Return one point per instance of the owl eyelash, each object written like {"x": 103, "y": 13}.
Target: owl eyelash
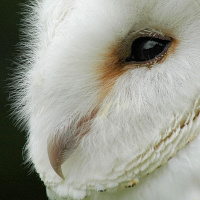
{"x": 148, "y": 48}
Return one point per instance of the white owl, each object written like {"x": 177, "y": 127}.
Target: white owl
{"x": 110, "y": 91}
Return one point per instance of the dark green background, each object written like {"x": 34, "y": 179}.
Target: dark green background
{"x": 16, "y": 182}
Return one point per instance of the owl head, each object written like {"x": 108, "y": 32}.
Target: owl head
{"x": 109, "y": 90}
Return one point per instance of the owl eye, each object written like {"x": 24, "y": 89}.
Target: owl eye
{"x": 145, "y": 49}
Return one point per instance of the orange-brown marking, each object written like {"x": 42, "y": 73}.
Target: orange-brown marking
{"x": 115, "y": 66}
{"x": 171, "y": 50}
{"x": 112, "y": 68}
{"x": 131, "y": 184}
{"x": 173, "y": 46}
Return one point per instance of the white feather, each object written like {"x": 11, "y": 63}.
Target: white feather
{"x": 146, "y": 116}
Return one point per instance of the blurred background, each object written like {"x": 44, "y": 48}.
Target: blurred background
{"x": 16, "y": 181}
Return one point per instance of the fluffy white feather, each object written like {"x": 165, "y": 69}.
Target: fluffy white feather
{"x": 103, "y": 125}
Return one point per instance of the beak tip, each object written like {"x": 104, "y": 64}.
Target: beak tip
{"x": 59, "y": 172}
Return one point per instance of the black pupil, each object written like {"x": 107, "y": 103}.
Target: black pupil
{"x": 146, "y": 48}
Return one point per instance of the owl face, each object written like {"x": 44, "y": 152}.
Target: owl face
{"x": 112, "y": 90}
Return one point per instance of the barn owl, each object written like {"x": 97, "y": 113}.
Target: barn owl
{"x": 109, "y": 91}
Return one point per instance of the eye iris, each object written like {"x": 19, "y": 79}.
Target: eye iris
{"x": 146, "y": 48}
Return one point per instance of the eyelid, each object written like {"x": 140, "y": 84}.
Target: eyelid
{"x": 153, "y": 34}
